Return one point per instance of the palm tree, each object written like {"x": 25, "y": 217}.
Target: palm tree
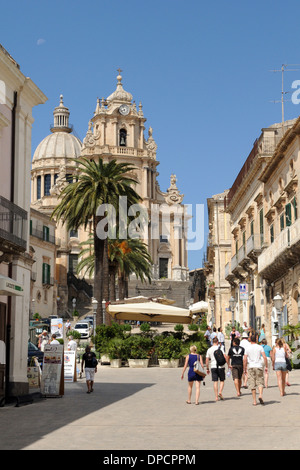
{"x": 98, "y": 183}
{"x": 125, "y": 257}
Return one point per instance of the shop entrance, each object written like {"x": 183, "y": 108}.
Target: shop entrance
{"x": 2, "y": 351}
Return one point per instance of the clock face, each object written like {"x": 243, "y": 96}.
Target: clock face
{"x": 124, "y": 109}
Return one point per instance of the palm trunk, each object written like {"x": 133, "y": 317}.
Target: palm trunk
{"x": 98, "y": 275}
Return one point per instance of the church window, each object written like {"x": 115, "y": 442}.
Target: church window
{"x": 123, "y": 137}
{"x": 163, "y": 267}
{"x": 38, "y": 187}
{"x": 47, "y": 184}
{"x": 73, "y": 262}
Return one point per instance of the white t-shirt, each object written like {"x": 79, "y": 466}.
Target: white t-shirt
{"x": 72, "y": 345}
{"x": 210, "y": 355}
{"x": 245, "y": 344}
{"x": 254, "y": 353}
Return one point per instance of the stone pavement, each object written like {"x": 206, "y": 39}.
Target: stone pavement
{"x": 145, "y": 409}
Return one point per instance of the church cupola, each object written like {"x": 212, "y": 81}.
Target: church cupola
{"x": 61, "y": 118}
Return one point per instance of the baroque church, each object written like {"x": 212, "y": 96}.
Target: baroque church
{"x": 116, "y": 131}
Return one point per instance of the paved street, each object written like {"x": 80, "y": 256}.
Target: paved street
{"x": 145, "y": 409}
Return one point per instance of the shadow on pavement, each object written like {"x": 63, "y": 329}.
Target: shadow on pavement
{"x": 21, "y": 427}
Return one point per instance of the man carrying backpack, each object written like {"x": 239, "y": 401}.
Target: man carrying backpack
{"x": 236, "y": 357}
{"x": 216, "y": 355}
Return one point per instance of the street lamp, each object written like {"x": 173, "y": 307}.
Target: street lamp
{"x": 95, "y": 306}
{"x": 232, "y": 304}
{"x": 212, "y": 308}
{"x": 103, "y": 311}
{"x": 278, "y": 304}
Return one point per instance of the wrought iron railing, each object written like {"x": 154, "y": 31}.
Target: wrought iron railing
{"x": 13, "y": 224}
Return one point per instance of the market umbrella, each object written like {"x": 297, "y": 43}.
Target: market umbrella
{"x": 149, "y": 311}
{"x": 199, "y": 307}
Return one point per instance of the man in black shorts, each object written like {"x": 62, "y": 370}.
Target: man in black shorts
{"x": 235, "y": 363}
{"x": 90, "y": 363}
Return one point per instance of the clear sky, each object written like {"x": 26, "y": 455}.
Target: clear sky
{"x": 201, "y": 69}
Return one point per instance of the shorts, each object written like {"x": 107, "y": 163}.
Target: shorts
{"x": 218, "y": 373}
{"x": 280, "y": 366}
{"x": 89, "y": 374}
{"x": 237, "y": 372}
{"x": 256, "y": 378}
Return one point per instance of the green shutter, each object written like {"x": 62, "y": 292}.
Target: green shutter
{"x": 45, "y": 233}
{"x": 271, "y": 233}
{"x": 261, "y": 225}
{"x": 288, "y": 215}
{"x": 295, "y": 208}
{"x": 281, "y": 222}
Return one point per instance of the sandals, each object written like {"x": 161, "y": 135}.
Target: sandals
{"x": 221, "y": 396}
{"x": 188, "y": 402}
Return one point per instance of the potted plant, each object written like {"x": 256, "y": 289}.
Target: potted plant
{"x": 168, "y": 350}
{"x": 139, "y": 348}
{"x": 116, "y": 351}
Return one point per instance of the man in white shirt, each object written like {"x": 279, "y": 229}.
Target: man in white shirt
{"x": 54, "y": 340}
{"x": 72, "y": 345}
{"x": 217, "y": 371}
{"x": 252, "y": 363}
{"x": 244, "y": 344}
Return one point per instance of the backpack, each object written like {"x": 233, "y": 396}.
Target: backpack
{"x": 219, "y": 357}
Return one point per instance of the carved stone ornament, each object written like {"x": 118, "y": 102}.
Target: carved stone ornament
{"x": 60, "y": 182}
{"x": 151, "y": 144}
{"x": 90, "y": 139}
{"x": 173, "y": 195}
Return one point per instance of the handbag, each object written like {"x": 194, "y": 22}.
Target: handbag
{"x": 198, "y": 369}
{"x": 288, "y": 361}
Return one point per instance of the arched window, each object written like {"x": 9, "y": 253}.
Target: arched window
{"x": 123, "y": 137}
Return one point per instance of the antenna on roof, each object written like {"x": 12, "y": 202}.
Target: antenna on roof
{"x": 282, "y": 101}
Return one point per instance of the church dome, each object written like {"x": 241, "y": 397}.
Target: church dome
{"x": 120, "y": 95}
{"x": 61, "y": 143}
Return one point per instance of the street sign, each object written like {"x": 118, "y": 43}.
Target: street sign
{"x": 244, "y": 292}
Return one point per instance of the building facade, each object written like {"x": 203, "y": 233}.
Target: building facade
{"x": 43, "y": 287}
{"x": 218, "y": 254}
{"x": 115, "y": 131}
{"x": 256, "y": 203}
{"x": 18, "y": 95}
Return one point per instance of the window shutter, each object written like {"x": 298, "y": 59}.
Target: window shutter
{"x": 288, "y": 215}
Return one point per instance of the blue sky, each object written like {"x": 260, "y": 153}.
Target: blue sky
{"x": 201, "y": 69}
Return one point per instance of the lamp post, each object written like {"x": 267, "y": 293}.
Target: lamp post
{"x": 278, "y": 303}
{"x": 103, "y": 311}
{"x": 212, "y": 308}
{"x": 232, "y": 304}
{"x": 94, "y": 305}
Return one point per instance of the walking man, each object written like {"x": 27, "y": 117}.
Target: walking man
{"x": 90, "y": 362}
{"x": 217, "y": 370}
{"x": 253, "y": 362}
{"x": 235, "y": 363}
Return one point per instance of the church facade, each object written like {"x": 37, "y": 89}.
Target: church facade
{"x": 116, "y": 131}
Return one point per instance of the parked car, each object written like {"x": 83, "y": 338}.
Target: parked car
{"x": 34, "y": 351}
{"x": 90, "y": 320}
{"x": 83, "y": 328}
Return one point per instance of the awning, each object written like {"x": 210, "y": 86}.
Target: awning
{"x": 9, "y": 286}
{"x": 149, "y": 311}
{"x": 199, "y": 307}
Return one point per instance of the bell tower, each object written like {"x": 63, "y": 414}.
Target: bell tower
{"x": 116, "y": 131}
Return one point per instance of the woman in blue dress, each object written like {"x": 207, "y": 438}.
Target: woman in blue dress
{"x": 192, "y": 376}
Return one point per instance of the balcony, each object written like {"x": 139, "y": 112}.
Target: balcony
{"x": 13, "y": 226}
{"x": 282, "y": 254}
{"x": 254, "y": 247}
{"x": 41, "y": 235}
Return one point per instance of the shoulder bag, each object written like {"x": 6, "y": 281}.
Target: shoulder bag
{"x": 198, "y": 369}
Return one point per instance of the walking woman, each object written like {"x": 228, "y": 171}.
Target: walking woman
{"x": 192, "y": 376}
{"x": 279, "y": 365}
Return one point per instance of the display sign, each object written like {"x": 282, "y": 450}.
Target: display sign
{"x": 244, "y": 292}
{"x": 69, "y": 366}
{"x": 53, "y": 371}
{"x": 57, "y": 327}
